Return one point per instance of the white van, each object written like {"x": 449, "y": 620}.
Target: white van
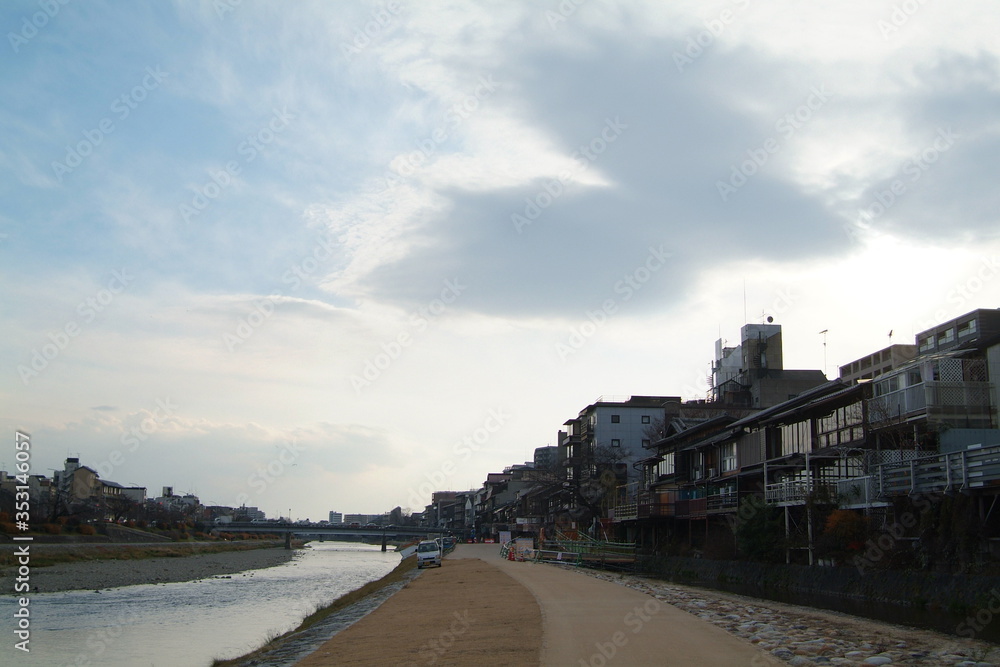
{"x": 428, "y": 553}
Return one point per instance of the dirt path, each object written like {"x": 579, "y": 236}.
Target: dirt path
{"x": 465, "y": 613}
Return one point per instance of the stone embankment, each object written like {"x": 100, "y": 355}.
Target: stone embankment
{"x": 803, "y": 636}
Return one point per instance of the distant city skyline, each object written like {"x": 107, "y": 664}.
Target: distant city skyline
{"x": 332, "y": 255}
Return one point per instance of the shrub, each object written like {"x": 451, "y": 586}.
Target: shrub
{"x": 7, "y": 527}
{"x": 86, "y": 529}
{"x": 52, "y": 528}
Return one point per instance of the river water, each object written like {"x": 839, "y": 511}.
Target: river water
{"x": 190, "y": 623}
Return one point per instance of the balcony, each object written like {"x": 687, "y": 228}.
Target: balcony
{"x": 696, "y": 508}
{"x": 858, "y": 492}
{"x": 968, "y": 403}
{"x": 722, "y": 503}
{"x": 942, "y": 473}
{"x": 795, "y": 492}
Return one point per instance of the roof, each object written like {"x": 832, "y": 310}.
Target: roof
{"x": 720, "y": 421}
{"x": 801, "y": 399}
{"x": 833, "y": 398}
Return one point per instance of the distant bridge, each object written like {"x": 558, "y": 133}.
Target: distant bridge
{"x": 330, "y": 531}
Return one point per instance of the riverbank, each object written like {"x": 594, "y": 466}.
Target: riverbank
{"x": 189, "y": 563}
{"x": 326, "y": 622}
{"x": 784, "y": 633}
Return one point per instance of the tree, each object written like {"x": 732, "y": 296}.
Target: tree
{"x": 759, "y": 531}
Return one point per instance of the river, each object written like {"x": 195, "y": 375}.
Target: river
{"x": 190, "y": 623}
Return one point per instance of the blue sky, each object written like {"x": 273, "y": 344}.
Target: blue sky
{"x": 332, "y": 240}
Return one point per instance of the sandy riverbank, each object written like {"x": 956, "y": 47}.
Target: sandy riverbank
{"x": 100, "y": 574}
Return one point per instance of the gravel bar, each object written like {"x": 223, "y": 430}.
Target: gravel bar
{"x": 102, "y": 574}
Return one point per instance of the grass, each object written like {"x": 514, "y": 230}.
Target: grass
{"x": 321, "y": 613}
{"x": 42, "y": 557}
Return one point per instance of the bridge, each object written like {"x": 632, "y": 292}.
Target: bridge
{"x": 332, "y": 531}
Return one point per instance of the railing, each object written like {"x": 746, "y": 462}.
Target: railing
{"x": 641, "y": 510}
{"x": 625, "y": 511}
{"x": 795, "y": 491}
{"x": 936, "y": 399}
{"x": 649, "y": 510}
{"x": 722, "y": 503}
{"x": 858, "y": 490}
{"x": 955, "y": 471}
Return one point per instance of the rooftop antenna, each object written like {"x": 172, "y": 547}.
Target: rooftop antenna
{"x": 823, "y": 333}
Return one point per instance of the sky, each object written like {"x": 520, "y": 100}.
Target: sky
{"x": 322, "y": 256}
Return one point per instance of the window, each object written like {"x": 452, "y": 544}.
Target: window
{"x": 967, "y": 328}
{"x": 646, "y": 443}
{"x": 615, "y": 442}
{"x": 645, "y": 419}
{"x": 728, "y": 455}
{"x": 946, "y": 336}
{"x": 926, "y": 343}
{"x": 616, "y": 419}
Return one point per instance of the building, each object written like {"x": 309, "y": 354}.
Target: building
{"x": 970, "y": 329}
{"x": 753, "y": 375}
{"x": 878, "y": 363}
{"x": 336, "y": 517}
{"x": 137, "y": 494}
{"x": 546, "y": 458}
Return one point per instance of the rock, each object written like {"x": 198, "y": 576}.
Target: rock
{"x": 877, "y": 660}
{"x": 800, "y": 661}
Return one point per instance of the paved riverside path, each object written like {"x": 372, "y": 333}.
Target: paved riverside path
{"x": 590, "y": 622}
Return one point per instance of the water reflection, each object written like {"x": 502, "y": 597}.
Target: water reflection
{"x": 191, "y": 623}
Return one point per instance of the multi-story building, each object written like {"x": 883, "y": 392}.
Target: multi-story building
{"x": 878, "y": 363}
{"x": 547, "y": 458}
{"x": 336, "y": 517}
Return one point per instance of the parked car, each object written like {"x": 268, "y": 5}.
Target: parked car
{"x": 428, "y": 553}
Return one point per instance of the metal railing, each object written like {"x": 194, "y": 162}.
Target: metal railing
{"x": 954, "y": 471}
{"x": 797, "y": 490}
